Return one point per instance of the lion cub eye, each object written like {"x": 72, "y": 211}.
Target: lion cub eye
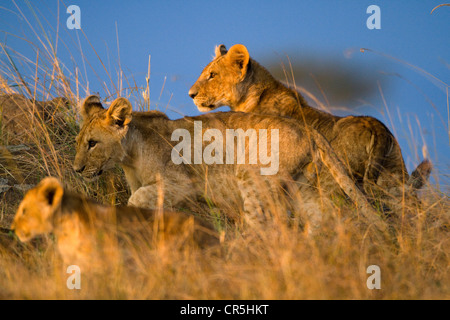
{"x": 212, "y": 75}
{"x": 91, "y": 144}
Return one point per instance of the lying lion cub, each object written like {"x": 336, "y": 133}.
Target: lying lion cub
{"x": 363, "y": 143}
{"x": 81, "y": 226}
{"x": 145, "y": 145}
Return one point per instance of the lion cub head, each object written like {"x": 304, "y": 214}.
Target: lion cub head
{"x": 99, "y": 144}
{"x": 222, "y": 83}
{"x": 35, "y": 213}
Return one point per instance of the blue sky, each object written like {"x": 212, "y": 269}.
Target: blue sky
{"x": 180, "y": 37}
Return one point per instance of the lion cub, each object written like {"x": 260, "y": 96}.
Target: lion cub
{"x": 364, "y": 144}
{"x": 81, "y": 225}
{"x": 147, "y": 146}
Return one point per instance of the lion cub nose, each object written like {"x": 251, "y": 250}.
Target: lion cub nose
{"x": 79, "y": 169}
{"x": 193, "y": 93}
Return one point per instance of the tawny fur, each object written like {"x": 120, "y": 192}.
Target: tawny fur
{"x": 141, "y": 143}
{"x": 364, "y": 144}
{"x": 19, "y": 114}
{"x": 86, "y": 230}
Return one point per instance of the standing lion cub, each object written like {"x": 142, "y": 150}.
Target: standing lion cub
{"x": 364, "y": 144}
{"x": 147, "y": 145}
{"x": 84, "y": 229}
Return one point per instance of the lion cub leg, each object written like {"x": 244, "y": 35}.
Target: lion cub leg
{"x": 168, "y": 194}
{"x": 262, "y": 195}
{"x": 253, "y": 208}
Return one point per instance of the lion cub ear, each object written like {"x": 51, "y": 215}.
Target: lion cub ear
{"x": 119, "y": 113}
{"x": 220, "y": 50}
{"x": 90, "y": 106}
{"x": 51, "y": 192}
{"x": 238, "y": 55}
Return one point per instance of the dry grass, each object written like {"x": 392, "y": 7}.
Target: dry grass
{"x": 271, "y": 261}
{"x": 275, "y": 260}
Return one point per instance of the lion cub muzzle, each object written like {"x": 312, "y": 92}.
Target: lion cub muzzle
{"x": 193, "y": 92}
